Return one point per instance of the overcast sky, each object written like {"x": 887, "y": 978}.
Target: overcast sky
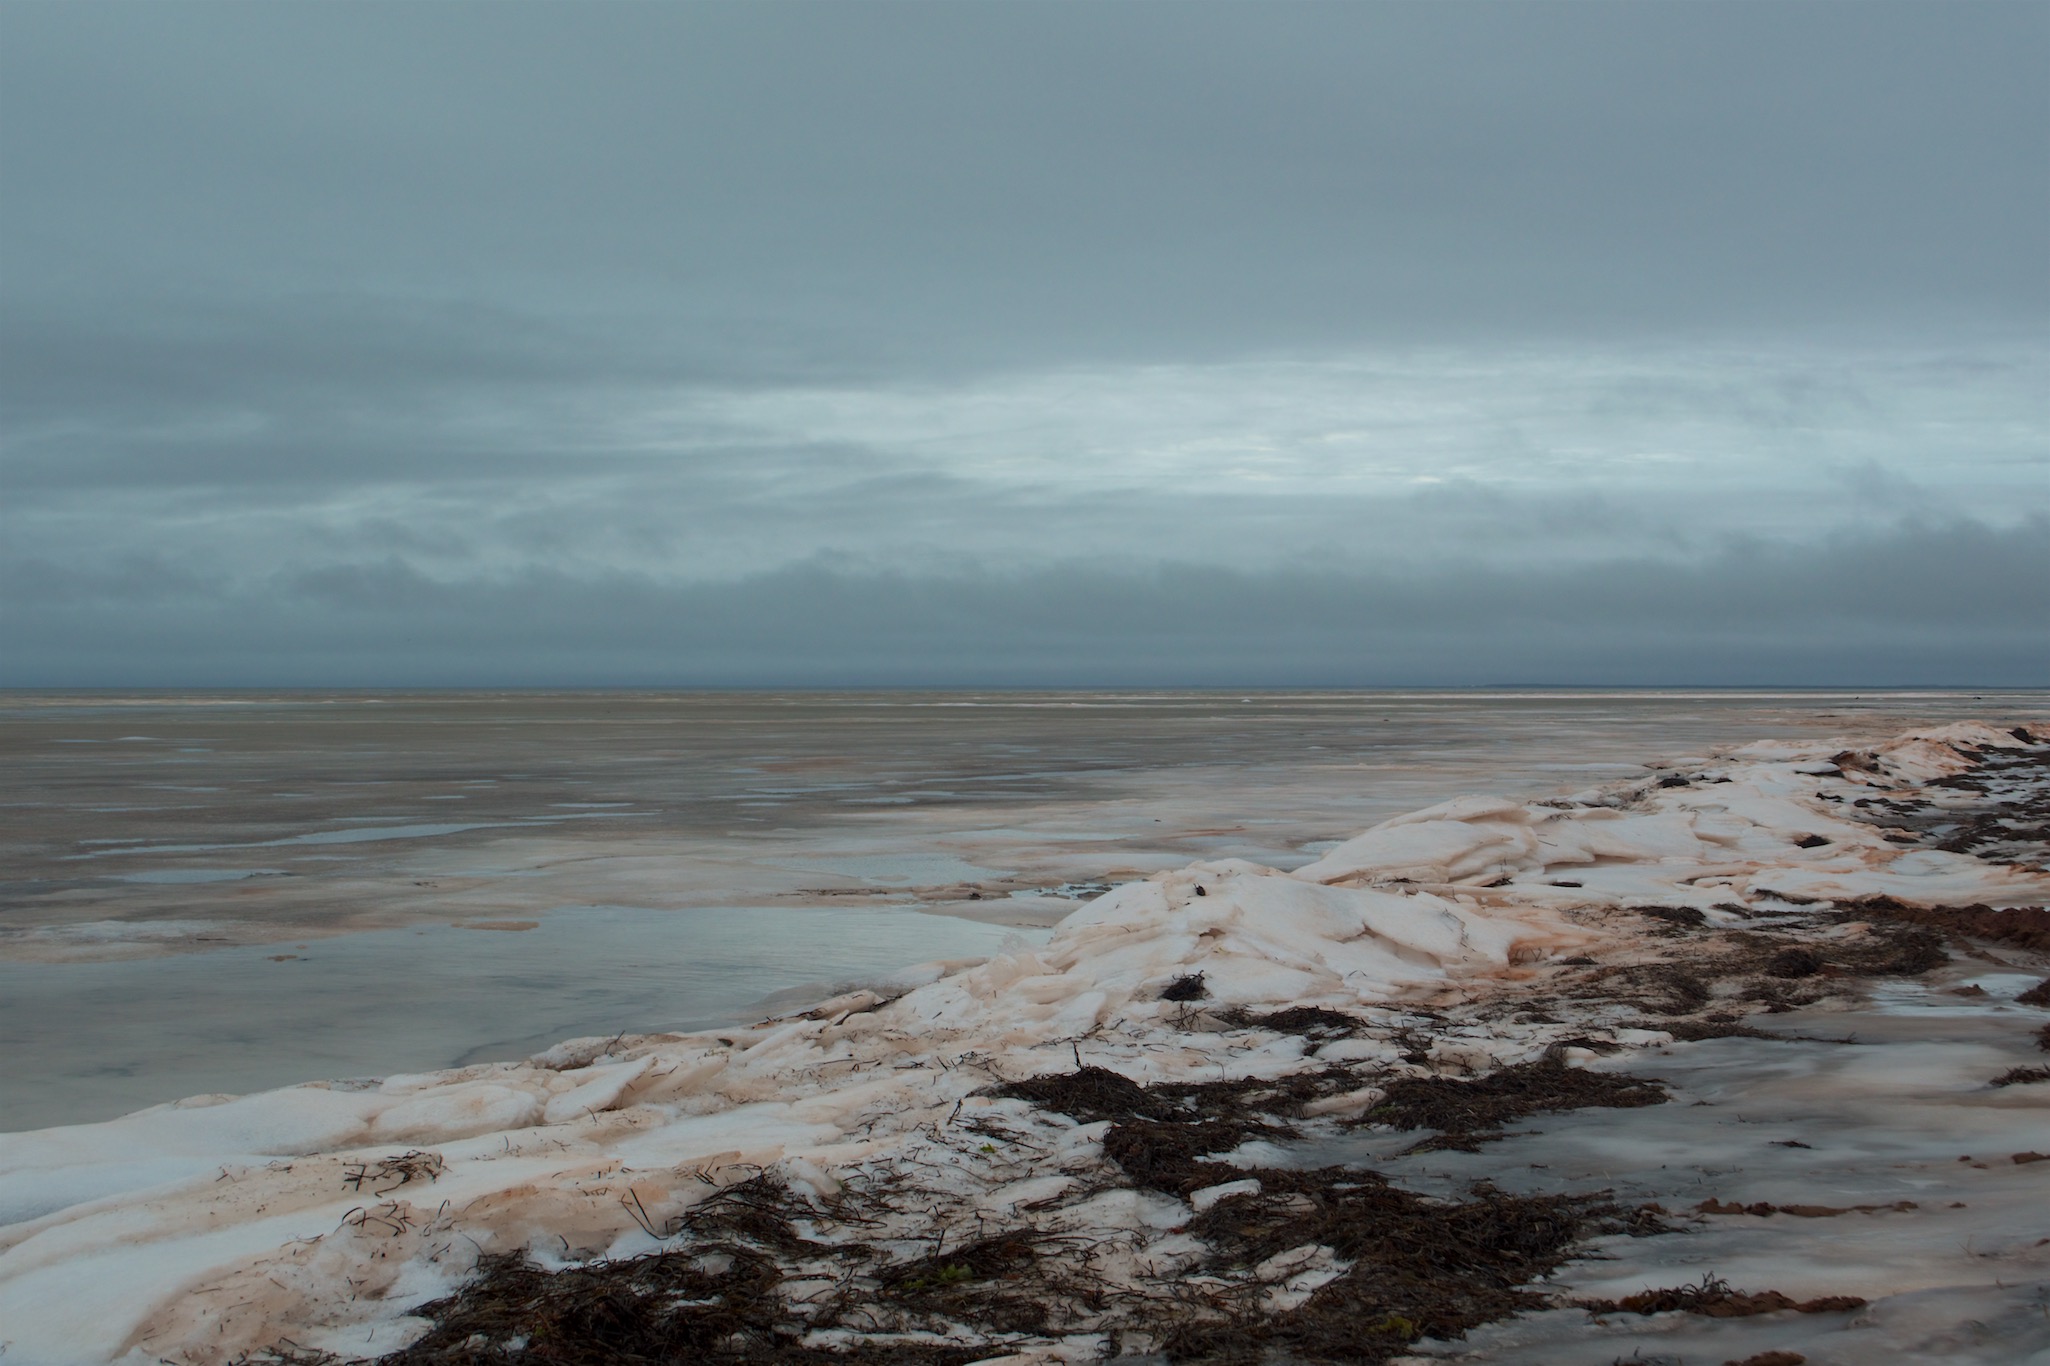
{"x": 992, "y": 343}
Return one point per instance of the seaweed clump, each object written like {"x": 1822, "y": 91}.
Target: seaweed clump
{"x": 1713, "y": 1298}
{"x": 1304, "y": 1020}
{"x": 747, "y": 1287}
{"x": 1409, "y": 1266}
{"x": 1770, "y": 968}
{"x": 1160, "y": 1135}
{"x": 1686, "y": 917}
{"x": 2021, "y": 927}
{"x": 1418, "y": 1268}
{"x": 1009, "y": 1282}
{"x": 686, "y": 1306}
{"x": 725, "y": 1298}
{"x": 1905, "y": 952}
{"x": 1406, "y": 1266}
{"x": 1471, "y": 1112}
{"x": 1088, "y": 1094}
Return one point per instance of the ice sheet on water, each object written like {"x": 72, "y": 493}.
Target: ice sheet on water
{"x": 247, "y": 1197}
{"x": 414, "y": 998}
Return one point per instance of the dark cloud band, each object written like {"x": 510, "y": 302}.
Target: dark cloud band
{"x": 1956, "y": 603}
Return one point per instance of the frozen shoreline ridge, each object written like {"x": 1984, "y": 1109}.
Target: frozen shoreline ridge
{"x": 890, "y": 1123}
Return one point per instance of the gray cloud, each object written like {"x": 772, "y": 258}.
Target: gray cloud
{"x": 532, "y": 331}
{"x": 1031, "y": 185}
{"x": 1937, "y": 603}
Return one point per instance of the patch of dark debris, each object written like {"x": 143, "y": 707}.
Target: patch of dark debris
{"x": 1416, "y": 1267}
{"x": 1686, "y": 917}
{"x": 757, "y": 1211}
{"x": 1765, "y": 1209}
{"x": 387, "y": 1174}
{"x": 715, "y": 1304}
{"x": 1999, "y": 809}
{"x": 1713, "y": 1298}
{"x": 1793, "y": 962}
{"x": 1782, "y": 967}
{"x": 1467, "y": 1113}
{"x": 747, "y": 1287}
{"x": 1160, "y": 1135}
{"x": 1304, "y": 1020}
{"x": 2021, "y": 927}
{"x": 1021, "y": 1281}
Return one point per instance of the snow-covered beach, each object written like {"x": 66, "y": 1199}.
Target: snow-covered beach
{"x": 1180, "y": 1125}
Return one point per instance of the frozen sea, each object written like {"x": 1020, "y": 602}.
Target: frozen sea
{"x": 226, "y": 892}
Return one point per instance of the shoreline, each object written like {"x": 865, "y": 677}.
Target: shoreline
{"x": 860, "y": 804}
{"x": 1438, "y": 955}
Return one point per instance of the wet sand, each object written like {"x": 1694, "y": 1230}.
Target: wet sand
{"x": 226, "y": 892}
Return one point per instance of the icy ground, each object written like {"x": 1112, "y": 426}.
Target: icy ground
{"x": 1775, "y": 885}
{"x": 1894, "y": 1150}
